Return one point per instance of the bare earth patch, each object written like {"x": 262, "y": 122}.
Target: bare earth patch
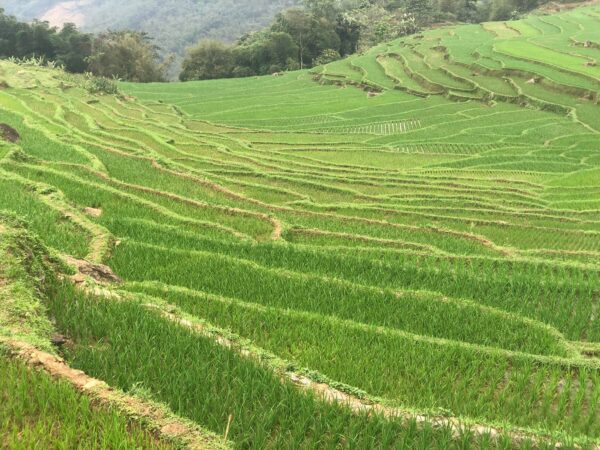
{"x": 99, "y": 272}
{"x": 8, "y": 133}
{"x": 94, "y": 212}
{"x": 66, "y": 12}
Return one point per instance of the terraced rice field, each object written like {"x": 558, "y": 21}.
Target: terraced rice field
{"x": 414, "y": 231}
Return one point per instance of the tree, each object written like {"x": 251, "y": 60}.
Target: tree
{"x": 67, "y": 47}
{"x": 298, "y": 24}
{"x": 128, "y": 55}
{"x": 73, "y": 48}
{"x": 468, "y": 12}
{"x": 328, "y": 9}
{"x": 280, "y": 47}
{"x": 422, "y": 10}
{"x": 311, "y": 34}
{"x": 322, "y": 37}
{"x": 348, "y": 29}
{"x": 209, "y": 59}
{"x": 377, "y": 24}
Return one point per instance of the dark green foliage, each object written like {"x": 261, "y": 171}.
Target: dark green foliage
{"x": 323, "y": 29}
{"x": 128, "y": 55}
{"x": 67, "y": 47}
{"x": 209, "y": 59}
{"x": 298, "y": 38}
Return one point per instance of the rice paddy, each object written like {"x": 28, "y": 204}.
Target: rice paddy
{"x": 414, "y": 231}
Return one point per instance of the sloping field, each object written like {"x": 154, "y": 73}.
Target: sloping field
{"x": 413, "y": 232}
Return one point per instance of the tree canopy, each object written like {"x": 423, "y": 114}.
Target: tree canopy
{"x": 67, "y": 47}
{"x": 128, "y": 55}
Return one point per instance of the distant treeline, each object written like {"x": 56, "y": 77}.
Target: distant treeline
{"x": 127, "y": 55}
{"x": 326, "y": 30}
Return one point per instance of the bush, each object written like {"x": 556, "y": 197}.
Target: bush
{"x": 100, "y": 85}
{"x": 327, "y": 56}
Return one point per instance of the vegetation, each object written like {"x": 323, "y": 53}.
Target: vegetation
{"x": 126, "y": 55}
{"x": 39, "y": 412}
{"x": 152, "y": 47}
{"x": 67, "y": 47}
{"x": 321, "y": 32}
{"x": 326, "y": 30}
{"x": 44, "y": 402}
{"x": 259, "y": 409}
{"x": 174, "y": 25}
{"x": 413, "y": 229}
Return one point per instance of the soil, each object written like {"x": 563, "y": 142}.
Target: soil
{"x": 99, "y": 272}
{"x": 94, "y": 212}
{"x": 8, "y": 133}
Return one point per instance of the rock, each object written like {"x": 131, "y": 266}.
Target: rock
{"x": 58, "y": 340}
{"x": 98, "y": 272}
{"x": 8, "y": 133}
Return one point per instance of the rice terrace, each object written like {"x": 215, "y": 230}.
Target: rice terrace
{"x": 397, "y": 249}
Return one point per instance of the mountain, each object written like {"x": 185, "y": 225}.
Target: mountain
{"x": 174, "y": 24}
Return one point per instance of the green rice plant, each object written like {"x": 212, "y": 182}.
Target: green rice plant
{"x": 39, "y": 412}
{"x": 385, "y": 362}
{"x": 420, "y": 313}
{"x": 49, "y": 224}
{"x": 419, "y": 222}
{"x": 126, "y": 345}
{"x": 531, "y": 289}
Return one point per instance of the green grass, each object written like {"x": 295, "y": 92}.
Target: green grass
{"x": 128, "y": 346}
{"x": 387, "y": 363}
{"x": 433, "y": 244}
{"x": 39, "y": 412}
{"x": 27, "y": 275}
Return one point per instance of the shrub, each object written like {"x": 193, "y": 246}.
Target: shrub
{"x": 100, "y": 85}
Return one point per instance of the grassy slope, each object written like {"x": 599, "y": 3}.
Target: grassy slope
{"x": 439, "y": 253}
{"x": 37, "y": 411}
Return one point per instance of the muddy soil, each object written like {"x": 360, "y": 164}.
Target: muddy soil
{"x": 8, "y": 133}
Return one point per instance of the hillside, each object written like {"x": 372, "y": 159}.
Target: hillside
{"x": 174, "y": 24}
{"x": 413, "y": 232}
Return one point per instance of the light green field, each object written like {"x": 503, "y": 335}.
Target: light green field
{"x": 419, "y": 225}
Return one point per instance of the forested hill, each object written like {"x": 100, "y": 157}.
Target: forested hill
{"x": 175, "y": 24}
